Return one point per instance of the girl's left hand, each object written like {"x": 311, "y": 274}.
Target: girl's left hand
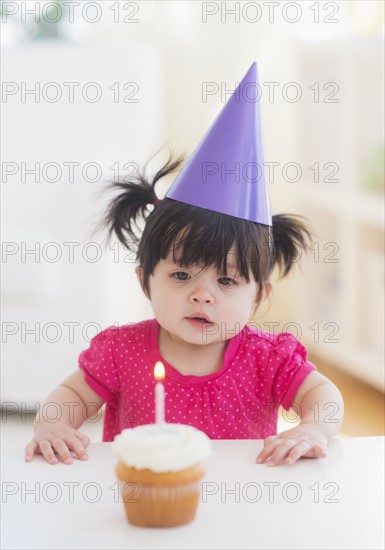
{"x": 305, "y": 440}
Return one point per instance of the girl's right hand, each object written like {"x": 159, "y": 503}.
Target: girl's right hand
{"x": 51, "y": 439}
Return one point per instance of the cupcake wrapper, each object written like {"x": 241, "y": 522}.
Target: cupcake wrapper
{"x": 160, "y": 506}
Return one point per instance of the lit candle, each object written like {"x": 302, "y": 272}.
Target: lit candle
{"x": 159, "y": 393}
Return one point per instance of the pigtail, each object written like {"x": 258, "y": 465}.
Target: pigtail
{"x": 133, "y": 204}
{"x": 290, "y": 239}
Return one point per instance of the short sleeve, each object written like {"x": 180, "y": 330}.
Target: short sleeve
{"x": 287, "y": 368}
{"x": 98, "y": 364}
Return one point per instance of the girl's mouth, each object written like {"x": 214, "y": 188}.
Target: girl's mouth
{"x": 199, "y": 321}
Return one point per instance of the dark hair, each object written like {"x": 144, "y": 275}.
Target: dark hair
{"x": 198, "y": 236}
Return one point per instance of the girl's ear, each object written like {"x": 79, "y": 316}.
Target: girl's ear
{"x": 139, "y": 274}
{"x": 267, "y": 288}
{"x": 263, "y": 294}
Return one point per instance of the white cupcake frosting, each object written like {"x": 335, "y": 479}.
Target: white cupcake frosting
{"x": 169, "y": 448}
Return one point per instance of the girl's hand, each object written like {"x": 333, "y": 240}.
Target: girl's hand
{"x": 305, "y": 440}
{"x": 59, "y": 438}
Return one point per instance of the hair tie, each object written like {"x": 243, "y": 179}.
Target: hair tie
{"x": 156, "y": 201}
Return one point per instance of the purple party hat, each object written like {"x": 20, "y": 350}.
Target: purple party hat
{"x": 226, "y": 171}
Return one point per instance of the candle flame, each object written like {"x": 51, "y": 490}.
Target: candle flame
{"x": 159, "y": 371}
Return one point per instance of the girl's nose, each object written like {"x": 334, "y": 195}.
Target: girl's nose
{"x": 201, "y": 295}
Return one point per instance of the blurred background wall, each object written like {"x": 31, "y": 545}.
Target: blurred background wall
{"x": 92, "y": 90}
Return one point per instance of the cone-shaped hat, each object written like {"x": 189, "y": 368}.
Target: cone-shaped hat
{"x": 226, "y": 172}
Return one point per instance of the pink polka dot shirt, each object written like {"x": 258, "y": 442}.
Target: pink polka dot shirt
{"x": 240, "y": 401}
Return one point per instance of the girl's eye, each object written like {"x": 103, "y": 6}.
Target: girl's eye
{"x": 227, "y": 281}
{"x": 180, "y": 276}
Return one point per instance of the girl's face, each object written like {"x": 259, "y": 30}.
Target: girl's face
{"x": 199, "y": 305}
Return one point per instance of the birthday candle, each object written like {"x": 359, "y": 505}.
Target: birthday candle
{"x": 159, "y": 374}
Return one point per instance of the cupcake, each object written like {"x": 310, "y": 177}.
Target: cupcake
{"x": 160, "y": 471}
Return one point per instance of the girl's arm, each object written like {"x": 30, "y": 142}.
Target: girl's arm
{"x": 56, "y": 425}
{"x": 321, "y": 408}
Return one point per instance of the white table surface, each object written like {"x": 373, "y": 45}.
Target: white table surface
{"x": 337, "y": 502}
